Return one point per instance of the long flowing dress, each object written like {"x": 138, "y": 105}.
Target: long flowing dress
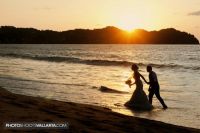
{"x": 139, "y": 100}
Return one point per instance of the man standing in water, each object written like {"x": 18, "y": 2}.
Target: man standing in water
{"x": 154, "y": 87}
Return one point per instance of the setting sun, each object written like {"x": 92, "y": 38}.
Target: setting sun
{"x": 128, "y": 23}
{"x": 127, "y": 26}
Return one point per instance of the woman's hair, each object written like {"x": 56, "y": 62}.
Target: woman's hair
{"x": 134, "y": 67}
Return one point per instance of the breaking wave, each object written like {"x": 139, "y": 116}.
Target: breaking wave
{"x": 96, "y": 62}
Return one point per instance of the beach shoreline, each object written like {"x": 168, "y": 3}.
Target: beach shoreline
{"x": 80, "y": 117}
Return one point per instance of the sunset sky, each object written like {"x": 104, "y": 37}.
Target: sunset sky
{"x": 62, "y": 15}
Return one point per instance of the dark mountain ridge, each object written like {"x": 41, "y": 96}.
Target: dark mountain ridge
{"x": 107, "y": 35}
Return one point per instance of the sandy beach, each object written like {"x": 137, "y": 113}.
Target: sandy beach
{"x": 81, "y": 118}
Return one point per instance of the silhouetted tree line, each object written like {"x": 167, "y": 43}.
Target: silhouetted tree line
{"x": 107, "y": 35}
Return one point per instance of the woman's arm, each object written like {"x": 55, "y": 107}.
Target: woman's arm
{"x": 131, "y": 84}
{"x": 129, "y": 81}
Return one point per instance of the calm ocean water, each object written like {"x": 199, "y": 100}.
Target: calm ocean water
{"x": 75, "y": 73}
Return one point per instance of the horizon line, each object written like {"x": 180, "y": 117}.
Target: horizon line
{"x": 91, "y": 28}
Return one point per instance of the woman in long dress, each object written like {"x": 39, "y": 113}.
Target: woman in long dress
{"x": 139, "y": 99}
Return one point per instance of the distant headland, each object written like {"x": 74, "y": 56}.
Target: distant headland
{"x": 107, "y": 35}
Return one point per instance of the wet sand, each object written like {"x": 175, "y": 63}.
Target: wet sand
{"x": 81, "y": 118}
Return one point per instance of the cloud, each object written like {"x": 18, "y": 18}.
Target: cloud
{"x": 197, "y": 13}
